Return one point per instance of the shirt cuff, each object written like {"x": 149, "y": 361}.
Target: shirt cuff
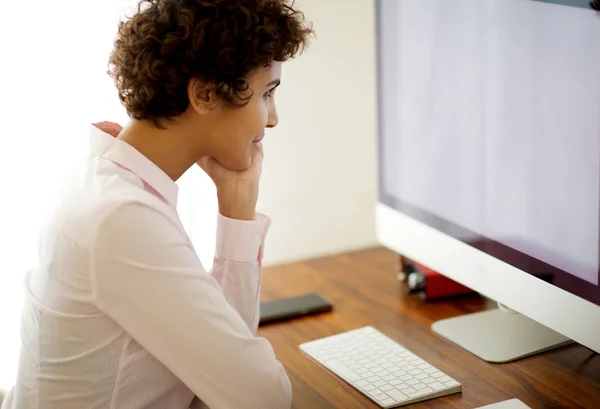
{"x": 241, "y": 240}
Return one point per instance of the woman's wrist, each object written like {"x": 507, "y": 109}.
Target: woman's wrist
{"x": 238, "y": 200}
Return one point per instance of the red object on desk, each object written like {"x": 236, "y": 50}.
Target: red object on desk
{"x": 440, "y": 286}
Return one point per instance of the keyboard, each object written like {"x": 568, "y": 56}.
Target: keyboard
{"x": 380, "y": 368}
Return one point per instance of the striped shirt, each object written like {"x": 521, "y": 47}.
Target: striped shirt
{"x": 119, "y": 312}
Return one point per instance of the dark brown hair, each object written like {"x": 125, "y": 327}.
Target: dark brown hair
{"x": 168, "y": 42}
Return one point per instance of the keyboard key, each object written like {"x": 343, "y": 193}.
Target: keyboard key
{"x": 374, "y": 392}
{"x": 418, "y": 386}
{"x": 369, "y": 388}
{"x": 436, "y": 386}
{"x": 389, "y": 378}
{"x": 380, "y": 397}
{"x": 368, "y": 330}
{"x": 412, "y": 382}
{"x": 387, "y": 401}
{"x": 362, "y": 383}
{"x": 429, "y": 380}
{"x": 422, "y": 376}
{"x": 397, "y": 395}
{"x": 396, "y": 382}
{"x": 374, "y": 379}
{"x": 361, "y": 371}
{"x": 344, "y": 371}
{"x": 386, "y": 387}
{"x": 451, "y": 383}
{"x": 420, "y": 392}
{"x": 427, "y": 389}
{"x": 438, "y": 375}
{"x": 406, "y": 377}
{"x": 407, "y": 390}
{"x": 379, "y": 384}
{"x": 431, "y": 370}
{"x": 445, "y": 379}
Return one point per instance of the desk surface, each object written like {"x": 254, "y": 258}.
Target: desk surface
{"x": 364, "y": 290}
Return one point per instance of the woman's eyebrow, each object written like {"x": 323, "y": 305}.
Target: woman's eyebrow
{"x": 275, "y": 82}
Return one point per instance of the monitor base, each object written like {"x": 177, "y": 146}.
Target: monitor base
{"x": 498, "y": 336}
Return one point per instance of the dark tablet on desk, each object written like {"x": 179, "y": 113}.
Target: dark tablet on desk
{"x": 288, "y": 308}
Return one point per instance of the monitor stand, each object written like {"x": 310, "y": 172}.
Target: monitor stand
{"x": 499, "y": 335}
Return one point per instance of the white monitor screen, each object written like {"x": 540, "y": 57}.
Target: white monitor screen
{"x": 490, "y": 128}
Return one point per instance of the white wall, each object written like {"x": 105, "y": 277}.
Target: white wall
{"x": 319, "y": 178}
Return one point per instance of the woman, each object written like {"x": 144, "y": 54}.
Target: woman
{"x": 119, "y": 312}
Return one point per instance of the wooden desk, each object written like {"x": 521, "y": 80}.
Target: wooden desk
{"x": 364, "y": 289}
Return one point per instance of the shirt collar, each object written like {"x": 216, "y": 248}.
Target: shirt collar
{"x": 123, "y": 154}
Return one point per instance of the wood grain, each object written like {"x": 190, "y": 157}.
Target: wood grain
{"x": 364, "y": 290}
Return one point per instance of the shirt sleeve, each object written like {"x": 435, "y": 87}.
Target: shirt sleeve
{"x": 148, "y": 278}
{"x": 237, "y": 264}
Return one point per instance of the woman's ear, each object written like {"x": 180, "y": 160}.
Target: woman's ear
{"x": 202, "y": 95}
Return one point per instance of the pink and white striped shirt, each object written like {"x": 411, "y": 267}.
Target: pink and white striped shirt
{"x": 120, "y": 313}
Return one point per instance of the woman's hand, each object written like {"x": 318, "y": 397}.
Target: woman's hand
{"x": 237, "y": 192}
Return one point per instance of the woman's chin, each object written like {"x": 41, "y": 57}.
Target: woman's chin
{"x": 239, "y": 165}
{"x": 240, "y": 161}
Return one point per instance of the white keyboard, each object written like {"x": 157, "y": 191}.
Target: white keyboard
{"x": 380, "y": 368}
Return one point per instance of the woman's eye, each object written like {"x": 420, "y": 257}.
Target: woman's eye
{"x": 269, "y": 93}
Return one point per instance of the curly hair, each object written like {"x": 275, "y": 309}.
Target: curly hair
{"x": 168, "y": 42}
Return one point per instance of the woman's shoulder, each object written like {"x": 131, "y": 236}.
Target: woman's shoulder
{"x": 90, "y": 198}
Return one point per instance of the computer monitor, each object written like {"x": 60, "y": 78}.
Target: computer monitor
{"x": 489, "y": 157}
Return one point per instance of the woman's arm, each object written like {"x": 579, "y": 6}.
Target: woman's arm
{"x": 237, "y": 264}
{"x": 148, "y": 278}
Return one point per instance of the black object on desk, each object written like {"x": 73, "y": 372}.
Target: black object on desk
{"x": 288, "y": 308}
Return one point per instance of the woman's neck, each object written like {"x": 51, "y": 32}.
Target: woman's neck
{"x": 174, "y": 149}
